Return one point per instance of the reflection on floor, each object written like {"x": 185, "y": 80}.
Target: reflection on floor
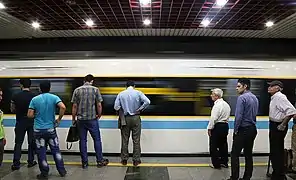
{"x": 151, "y": 169}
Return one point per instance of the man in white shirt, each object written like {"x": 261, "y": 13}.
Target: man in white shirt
{"x": 218, "y": 130}
{"x": 280, "y": 113}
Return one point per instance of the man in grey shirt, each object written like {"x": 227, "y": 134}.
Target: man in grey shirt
{"x": 131, "y": 102}
{"x": 87, "y": 107}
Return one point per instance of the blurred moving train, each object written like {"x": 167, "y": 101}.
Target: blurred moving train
{"x": 179, "y": 90}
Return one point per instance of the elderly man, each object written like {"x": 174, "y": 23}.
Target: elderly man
{"x": 218, "y": 130}
{"x": 245, "y": 130}
{"x": 280, "y": 113}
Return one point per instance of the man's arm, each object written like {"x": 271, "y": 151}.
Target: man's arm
{"x": 31, "y": 110}
{"x": 145, "y": 101}
{"x": 12, "y": 104}
{"x": 99, "y": 100}
{"x": 117, "y": 104}
{"x": 62, "y": 108}
{"x": 285, "y": 106}
{"x": 238, "y": 113}
{"x": 74, "y": 100}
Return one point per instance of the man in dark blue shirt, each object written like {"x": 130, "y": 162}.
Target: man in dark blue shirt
{"x": 19, "y": 104}
{"x": 245, "y": 130}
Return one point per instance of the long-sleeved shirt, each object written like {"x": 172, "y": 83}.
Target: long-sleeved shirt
{"x": 220, "y": 113}
{"x": 246, "y": 110}
{"x": 131, "y": 100}
{"x": 280, "y": 107}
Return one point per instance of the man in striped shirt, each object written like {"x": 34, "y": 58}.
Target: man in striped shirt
{"x": 87, "y": 107}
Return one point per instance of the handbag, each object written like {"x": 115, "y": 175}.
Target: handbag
{"x": 73, "y": 135}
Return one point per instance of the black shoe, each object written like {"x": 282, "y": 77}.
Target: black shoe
{"x": 42, "y": 176}
{"x": 32, "y": 164}
{"x": 13, "y": 168}
{"x": 104, "y": 162}
{"x": 63, "y": 174}
{"x": 84, "y": 165}
{"x": 136, "y": 163}
{"x": 124, "y": 162}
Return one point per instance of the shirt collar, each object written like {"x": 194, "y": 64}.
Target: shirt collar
{"x": 218, "y": 100}
{"x": 130, "y": 87}
{"x": 276, "y": 94}
{"x": 86, "y": 84}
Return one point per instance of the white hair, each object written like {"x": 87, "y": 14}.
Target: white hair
{"x": 218, "y": 92}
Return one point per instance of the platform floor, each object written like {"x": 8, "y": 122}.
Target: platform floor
{"x": 150, "y": 169}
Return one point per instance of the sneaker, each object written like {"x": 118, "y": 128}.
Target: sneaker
{"x": 104, "y": 162}
{"x": 224, "y": 165}
{"x": 136, "y": 163}
{"x": 84, "y": 165}
{"x": 13, "y": 168}
{"x": 32, "y": 164}
{"x": 212, "y": 166}
{"x": 42, "y": 176}
{"x": 124, "y": 162}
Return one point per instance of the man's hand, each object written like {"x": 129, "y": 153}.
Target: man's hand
{"x": 210, "y": 132}
{"x": 57, "y": 122}
{"x": 4, "y": 141}
{"x": 98, "y": 116}
{"x": 281, "y": 127}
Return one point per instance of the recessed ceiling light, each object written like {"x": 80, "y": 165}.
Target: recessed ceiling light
{"x": 35, "y": 25}
{"x": 145, "y": 2}
{"x": 221, "y": 2}
{"x": 269, "y": 24}
{"x": 2, "y": 5}
{"x": 205, "y": 22}
{"x": 89, "y": 23}
{"x": 146, "y": 22}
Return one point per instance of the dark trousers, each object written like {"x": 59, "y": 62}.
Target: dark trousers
{"x": 244, "y": 139}
{"x": 276, "y": 142}
{"x": 1, "y": 151}
{"x": 133, "y": 124}
{"x": 44, "y": 138}
{"x": 20, "y": 130}
{"x": 219, "y": 145}
{"x": 93, "y": 127}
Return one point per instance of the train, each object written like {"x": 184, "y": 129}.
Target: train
{"x": 179, "y": 90}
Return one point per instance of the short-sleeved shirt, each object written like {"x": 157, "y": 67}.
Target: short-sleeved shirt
{"x": 22, "y": 101}
{"x": 86, "y": 97}
{"x": 44, "y": 106}
{"x": 280, "y": 107}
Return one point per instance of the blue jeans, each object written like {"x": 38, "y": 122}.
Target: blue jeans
{"x": 44, "y": 138}
{"x": 21, "y": 128}
{"x": 93, "y": 127}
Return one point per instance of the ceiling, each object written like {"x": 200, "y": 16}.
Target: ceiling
{"x": 66, "y": 18}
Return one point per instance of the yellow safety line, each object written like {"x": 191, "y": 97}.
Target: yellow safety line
{"x": 142, "y": 164}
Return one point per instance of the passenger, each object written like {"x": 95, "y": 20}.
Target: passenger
{"x": 132, "y": 102}
{"x": 245, "y": 130}
{"x": 19, "y": 104}
{"x": 2, "y": 133}
{"x": 42, "y": 108}
{"x": 87, "y": 107}
{"x": 218, "y": 130}
{"x": 280, "y": 113}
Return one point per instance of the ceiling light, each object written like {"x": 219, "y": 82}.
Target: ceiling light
{"x": 269, "y": 24}
{"x": 147, "y": 22}
{"x": 89, "y": 23}
{"x": 145, "y": 2}
{"x": 221, "y": 2}
{"x": 205, "y": 22}
{"x": 2, "y": 5}
{"x": 35, "y": 25}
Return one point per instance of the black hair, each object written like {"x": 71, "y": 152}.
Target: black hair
{"x": 130, "y": 83}
{"x": 26, "y": 82}
{"x": 245, "y": 82}
{"x": 89, "y": 78}
{"x": 45, "y": 86}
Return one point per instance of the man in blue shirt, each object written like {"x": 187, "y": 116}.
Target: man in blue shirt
{"x": 245, "y": 130}
{"x": 131, "y": 103}
{"x": 42, "y": 109}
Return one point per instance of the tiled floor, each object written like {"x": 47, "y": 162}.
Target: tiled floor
{"x": 147, "y": 171}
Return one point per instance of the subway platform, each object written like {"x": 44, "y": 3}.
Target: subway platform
{"x": 177, "y": 168}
